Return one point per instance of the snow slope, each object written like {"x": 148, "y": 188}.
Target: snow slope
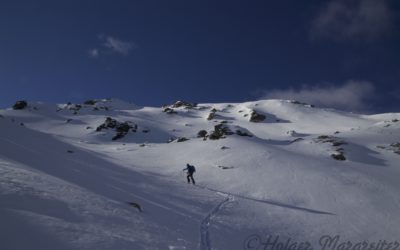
{"x": 65, "y": 185}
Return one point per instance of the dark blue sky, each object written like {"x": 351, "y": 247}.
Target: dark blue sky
{"x": 155, "y": 52}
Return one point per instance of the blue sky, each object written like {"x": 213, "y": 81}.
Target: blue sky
{"x": 336, "y": 53}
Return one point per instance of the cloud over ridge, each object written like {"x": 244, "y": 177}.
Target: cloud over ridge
{"x": 351, "y": 96}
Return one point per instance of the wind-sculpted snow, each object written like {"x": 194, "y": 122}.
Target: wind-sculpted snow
{"x": 64, "y": 185}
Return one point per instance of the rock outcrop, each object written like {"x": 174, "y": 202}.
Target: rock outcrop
{"x": 20, "y": 105}
{"x": 121, "y": 128}
{"x": 256, "y": 117}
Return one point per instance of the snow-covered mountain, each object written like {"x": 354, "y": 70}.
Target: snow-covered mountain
{"x": 264, "y": 168}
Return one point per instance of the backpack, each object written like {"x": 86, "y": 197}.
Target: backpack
{"x": 191, "y": 169}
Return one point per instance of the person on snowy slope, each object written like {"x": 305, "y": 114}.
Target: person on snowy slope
{"x": 190, "y": 169}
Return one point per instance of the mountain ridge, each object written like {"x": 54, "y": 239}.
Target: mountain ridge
{"x": 300, "y": 172}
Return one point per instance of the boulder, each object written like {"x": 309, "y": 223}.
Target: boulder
{"x": 211, "y": 116}
{"x": 90, "y": 102}
{"x": 338, "y": 156}
{"x": 256, "y": 117}
{"x": 202, "y": 134}
{"x": 220, "y": 131}
{"x": 109, "y": 123}
{"x": 182, "y": 139}
{"x": 243, "y": 133}
{"x": 20, "y": 105}
{"x": 169, "y": 111}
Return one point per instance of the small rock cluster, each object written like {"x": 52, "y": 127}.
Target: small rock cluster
{"x": 395, "y": 147}
{"x": 169, "y": 109}
{"x": 122, "y": 128}
{"x": 389, "y": 123}
{"x": 335, "y": 142}
{"x": 177, "y": 139}
{"x": 302, "y": 103}
{"x": 256, "y": 117}
{"x": 211, "y": 116}
{"x": 90, "y": 104}
{"x": 221, "y": 131}
{"x": 187, "y": 105}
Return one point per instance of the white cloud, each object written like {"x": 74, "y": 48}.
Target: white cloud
{"x": 110, "y": 45}
{"x": 344, "y": 20}
{"x": 118, "y": 46}
{"x": 94, "y": 53}
{"x": 351, "y": 96}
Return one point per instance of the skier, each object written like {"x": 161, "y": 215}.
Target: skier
{"x": 189, "y": 171}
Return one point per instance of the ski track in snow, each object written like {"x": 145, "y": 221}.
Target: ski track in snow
{"x": 205, "y": 242}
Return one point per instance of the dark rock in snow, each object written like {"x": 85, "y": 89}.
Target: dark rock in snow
{"x": 90, "y": 102}
{"x": 184, "y": 104}
{"x": 241, "y": 133}
{"x": 224, "y": 167}
{"x": 169, "y": 111}
{"x": 20, "y": 105}
{"x": 201, "y": 134}
{"x": 256, "y": 117}
{"x": 220, "y": 131}
{"x": 338, "y": 143}
{"x": 338, "y": 156}
{"x": 182, "y": 139}
{"x": 122, "y": 128}
{"x": 296, "y": 140}
{"x": 171, "y": 139}
{"x": 109, "y": 123}
{"x": 211, "y": 116}
{"x": 179, "y": 139}
{"x": 395, "y": 147}
{"x": 302, "y": 103}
